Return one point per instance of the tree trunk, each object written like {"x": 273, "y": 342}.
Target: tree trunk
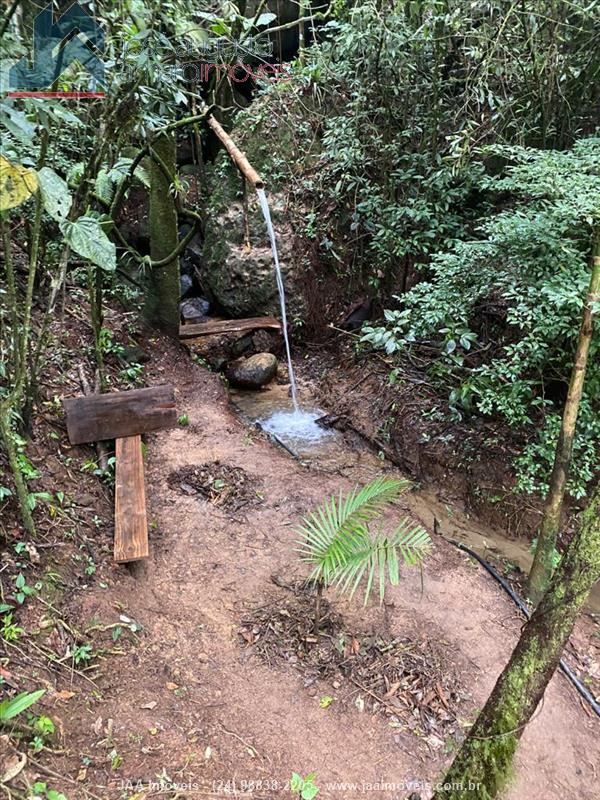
{"x": 162, "y": 301}
{"x": 486, "y": 755}
{"x": 20, "y": 484}
{"x": 541, "y": 569}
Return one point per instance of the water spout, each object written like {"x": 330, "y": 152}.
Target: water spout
{"x": 264, "y": 204}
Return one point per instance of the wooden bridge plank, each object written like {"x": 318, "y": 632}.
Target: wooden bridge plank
{"x": 95, "y": 417}
{"x": 228, "y": 326}
{"x": 131, "y": 525}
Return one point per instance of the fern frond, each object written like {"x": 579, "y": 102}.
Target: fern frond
{"x": 337, "y": 528}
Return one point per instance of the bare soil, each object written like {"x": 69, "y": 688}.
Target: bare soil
{"x": 181, "y": 696}
{"x": 472, "y": 462}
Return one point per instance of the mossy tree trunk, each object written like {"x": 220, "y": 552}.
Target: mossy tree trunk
{"x": 162, "y": 300}
{"x": 486, "y": 755}
{"x": 541, "y": 569}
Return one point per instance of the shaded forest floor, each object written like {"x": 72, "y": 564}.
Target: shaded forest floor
{"x": 179, "y": 696}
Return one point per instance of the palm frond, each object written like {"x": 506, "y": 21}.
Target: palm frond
{"x": 376, "y": 559}
{"x": 338, "y": 527}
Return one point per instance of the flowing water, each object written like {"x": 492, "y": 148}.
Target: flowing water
{"x": 298, "y": 430}
{"x": 341, "y": 453}
{"x": 264, "y": 204}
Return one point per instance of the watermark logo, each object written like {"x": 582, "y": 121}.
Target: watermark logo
{"x": 75, "y": 37}
{"x": 240, "y": 62}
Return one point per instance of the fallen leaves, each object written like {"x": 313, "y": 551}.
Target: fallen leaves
{"x": 12, "y": 766}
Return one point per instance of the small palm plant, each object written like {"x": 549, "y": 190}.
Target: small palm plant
{"x": 338, "y": 542}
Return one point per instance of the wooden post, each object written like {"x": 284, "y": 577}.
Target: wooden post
{"x": 131, "y": 524}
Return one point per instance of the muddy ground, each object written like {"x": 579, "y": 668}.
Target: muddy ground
{"x": 180, "y": 703}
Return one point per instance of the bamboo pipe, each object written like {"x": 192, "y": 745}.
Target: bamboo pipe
{"x": 238, "y": 158}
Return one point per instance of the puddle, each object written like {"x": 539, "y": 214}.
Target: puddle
{"x": 273, "y": 409}
{"x": 487, "y": 542}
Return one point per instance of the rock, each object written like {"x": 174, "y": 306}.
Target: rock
{"x": 266, "y": 342}
{"x": 186, "y": 284}
{"x": 253, "y": 372}
{"x": 360, "y": 312}
{"x": 134, "y": 355}
{"x": 241, "y": 278}
{"x": 244, "y": 347}
{"x": 283, "y": 373}
{"x": 194, "y": 309}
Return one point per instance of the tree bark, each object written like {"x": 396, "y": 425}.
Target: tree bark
{"x": 162, "y": 301}
{"x": 541, "y": 569}
{"x": 483, "y": 764}
{"x": 20, "y": 485}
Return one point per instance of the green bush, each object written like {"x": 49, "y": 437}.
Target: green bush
{"x": 503, "y": 311}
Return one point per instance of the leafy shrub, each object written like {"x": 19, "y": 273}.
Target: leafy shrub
{"x": 503, "y": 311}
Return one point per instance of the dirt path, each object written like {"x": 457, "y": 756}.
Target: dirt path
{"x": 188, "y": 702}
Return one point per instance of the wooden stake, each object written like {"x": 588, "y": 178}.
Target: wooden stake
{"x": 131, "y": 525}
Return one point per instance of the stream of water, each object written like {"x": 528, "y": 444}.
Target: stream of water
{"x": 296, "y": 426}
{"x": 298, "y": 429}
{"x": 264, "y": 204}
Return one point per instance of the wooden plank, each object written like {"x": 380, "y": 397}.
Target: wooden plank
{"x": 228, "y": 326}
{"x": 96, "y": 417}
{"x": 131, "y": 525}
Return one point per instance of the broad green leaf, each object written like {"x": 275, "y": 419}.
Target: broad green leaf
{"x": 265, "y": 19}
{"x": 104, "y": 187}
{"x": 87, "y": 238}
{"x": 9, "y": 708}
{"x": 18, "y": 124}
{"x": 55, "y": 194}
{"x": 17, "y": 184}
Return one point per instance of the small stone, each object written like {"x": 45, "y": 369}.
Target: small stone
{"x": 185, "y": 285}
{"x": 87, "y": 500}
{"x": 194, "y": 309}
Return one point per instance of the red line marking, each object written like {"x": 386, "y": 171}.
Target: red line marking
{"x": 56, "y": 94}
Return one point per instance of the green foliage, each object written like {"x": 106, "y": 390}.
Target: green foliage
{"x": 11, "y": 707}
{"x": 377, "y": 129}
{"x": 502, "y": 312}
{"x": 56, "y": 197}
{"x": 86, "y": 237}
{"x": 23, "y": 590}
{"x": 341, "y": 548}
{"x": 9, "y": 630}
{"x": 306, "y": 787}
{"x": 41, "y": 790}
{"x": 82, "y": 654}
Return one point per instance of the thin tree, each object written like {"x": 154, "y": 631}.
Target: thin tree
{"x": 543, "y": 561}
{"x": 162, "y": 298}
{"x": 483, "y": 763}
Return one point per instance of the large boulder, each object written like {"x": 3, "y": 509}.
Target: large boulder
{"x": 239, "y": 275}
{"x": 253, "y": 372}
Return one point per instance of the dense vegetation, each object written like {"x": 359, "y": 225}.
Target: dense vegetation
{"x": 450, "y": 170}
{"x": 439, "y": 158}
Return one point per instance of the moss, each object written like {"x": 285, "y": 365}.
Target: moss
{"x": 162, "y": 300}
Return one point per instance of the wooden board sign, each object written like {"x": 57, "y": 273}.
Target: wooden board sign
{"x": 95, "y": 417}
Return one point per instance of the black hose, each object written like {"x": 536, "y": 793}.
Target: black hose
{"x": 522, "y": 606}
